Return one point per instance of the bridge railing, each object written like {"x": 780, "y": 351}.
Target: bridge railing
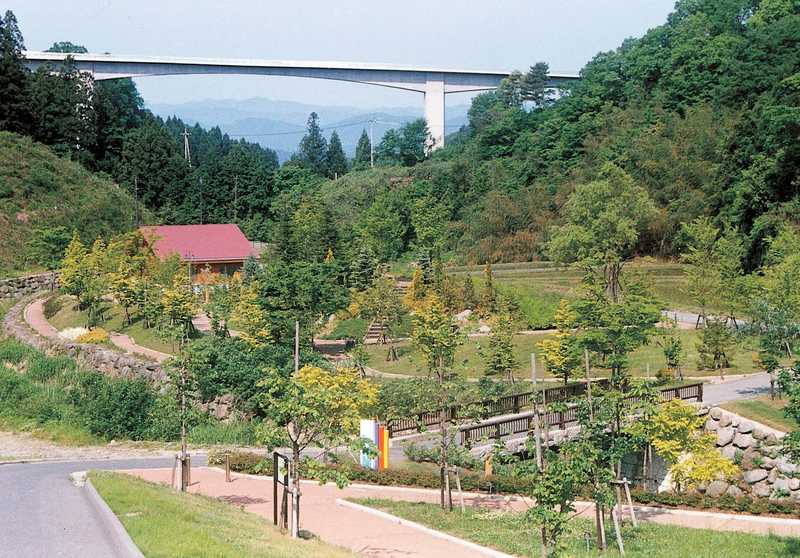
{"x": 506, "y": 404}
{"x": 521, "y": 423}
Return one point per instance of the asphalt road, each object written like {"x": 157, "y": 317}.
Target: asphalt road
{"x": 744, "y": 388}
{"x": 43, "y": 515}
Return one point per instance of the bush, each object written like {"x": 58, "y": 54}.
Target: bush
{"x": 96, "y": 335}
{"x": 52, "y": 306}
{"x": 116, "y": 408}
{"x": 163, "y": 419}
{"x": 14, "y": 388}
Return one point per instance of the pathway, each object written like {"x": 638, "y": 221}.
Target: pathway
{"x": 365, "y": 534}
{"x": 736, "y": 388}
{"x": 373, "y": 536}
{"x": 34, "y": 316}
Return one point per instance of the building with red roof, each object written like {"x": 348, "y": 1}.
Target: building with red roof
{"x": 223, "y": 248}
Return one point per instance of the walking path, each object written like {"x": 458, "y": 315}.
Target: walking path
{"x": 373, "y": 536}
{"x": 34, "y": 316}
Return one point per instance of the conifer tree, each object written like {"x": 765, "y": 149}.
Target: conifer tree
{"x": 337, "y": 160}
{"x": 14, "y": 114}
{"x": 313, "y": 150}
{"x": 363, "y": 150}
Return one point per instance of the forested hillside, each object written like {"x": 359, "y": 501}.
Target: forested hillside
{"x": 703, "y": 112}
{"x": 43, "y": 198}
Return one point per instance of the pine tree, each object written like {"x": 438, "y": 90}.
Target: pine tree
{"x": 468, "y": 292}
{"x": 337, "y": 160}
{"x": 363, "y": 149}
{"x": 14, "y": 112}
{"x": 313, "y": 149}
{"x": 489, "y": 296}
{"x": 362, "y": 268}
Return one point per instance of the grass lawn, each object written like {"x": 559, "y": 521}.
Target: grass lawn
{"x": 511, "y": 533}
{"x": 70, "y": 316}
{"x": 539, "y": 286}
{"x": 764, "y": 410}
{"x": 164, "y": 523}
{"x": 470, "y": 362}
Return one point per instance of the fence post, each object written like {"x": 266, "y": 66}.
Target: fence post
{"x": 700, "y": 393}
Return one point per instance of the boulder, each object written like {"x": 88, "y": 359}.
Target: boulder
{"x": 759, "y": 433}
{"x": 716, "y": 413}
{"x": 751, "y": 459}
{"x": 734, "y": 491}
{"x": 745, "y": 427}
{"x": 712, "y": 425}
{"x": 725, "y": 436}
{"x": 464, "y": 315}
{"x": 787, "y": 468}
{"x": 773, "y": 475}
{"x": 484, "y": 329}
{"x": 754, "y": 476}
{"x": 725, "y": 420}
{"x": 781, "y": 484}
{"x": 768, "y": 463}
{"x": 771, "y": 439}
{"x": 743, "y": 441}
{"x": 735, "y": 420}
{"x": 702, "y": 410}
{"x": 762, "y": 489}
{"x": 794, "y": 484}
{"x": 717, "y": 488}
{"x": 730, "y": 452}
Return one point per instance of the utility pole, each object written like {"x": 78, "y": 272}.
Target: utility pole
{"x": 186, "y": 152}
{"x": 371, "y": 145}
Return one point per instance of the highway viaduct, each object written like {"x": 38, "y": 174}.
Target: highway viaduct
{"x": 433, "y": 83}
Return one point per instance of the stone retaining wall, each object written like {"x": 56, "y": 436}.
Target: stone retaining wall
{"x": 757, "y": 449}
{"x": 96, "y": 357}
{"x": 17, "y": 287}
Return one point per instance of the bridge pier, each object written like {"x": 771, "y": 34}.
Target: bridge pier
{"x": 434, "y": 110}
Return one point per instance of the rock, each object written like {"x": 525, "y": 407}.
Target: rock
{"x": 768, "y": 463}
{"x": 725, "y": 436}
{"x": 794, "y": 484}
{"x": 464, "y": 315}
{"x": 781, "y": 484}
{"x": 716, "y": 413}
{"x": 773, "y": 475}
{"x": 762, "y": 489}
{"x": 735, "y": 421}
{"x": 730, "y": 452}
{"x": 712, "y": 425}
{"x": 725, "y": 420}
{"x": 484, "y": 329}
{"x": 751, "y": 459}
{"x": 771, "y": 439}
{"x": 702, "y": 410}
{"x": 759, "y": 433}
{"x": 743, "y": 441}
{"x": 787, "y": 468}
{"x": 754, "y": 476}
{"x": 734, "y": 491}
{"x": 717, "y": 488}
{"x": 745, "y": 427}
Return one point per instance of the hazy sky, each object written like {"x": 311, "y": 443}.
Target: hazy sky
{"x": 469, "y": 34}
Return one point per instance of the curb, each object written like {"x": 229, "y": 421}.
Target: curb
{"x": 427, "y": 530}
{"x": 120, "y": 538}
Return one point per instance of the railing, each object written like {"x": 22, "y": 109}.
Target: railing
{"x": 491, "y": 407}
{"x": 521, "y": 423}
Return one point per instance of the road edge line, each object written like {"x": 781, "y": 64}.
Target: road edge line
{"x": 419, "y": 527}
{"x": 121, "y": 539}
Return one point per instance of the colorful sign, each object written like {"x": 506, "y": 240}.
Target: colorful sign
{"x": 378, "y": 434}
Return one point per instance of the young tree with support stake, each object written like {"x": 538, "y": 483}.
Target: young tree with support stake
{"x": 315, "y": 408}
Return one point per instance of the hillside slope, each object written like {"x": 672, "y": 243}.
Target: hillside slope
{"x": 43, "y": 198}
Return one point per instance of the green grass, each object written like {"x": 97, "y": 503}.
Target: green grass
{"x": 350, "y": 328}
{"x": 512, "y": 533}
{"x": 70, "y": 316}
{"x": 470, "y": 363}
{"x": 763, "y": 410}
{"x": 164, "y": 523}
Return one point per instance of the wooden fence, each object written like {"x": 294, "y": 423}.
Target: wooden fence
{"x": 506, "y": 426}
{"x": 492, "y": 407}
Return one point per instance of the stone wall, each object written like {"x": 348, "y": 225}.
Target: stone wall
{"x": 96, "y": 357}
{"x": 17, "y": 287}
{"x": 757, "y": 449}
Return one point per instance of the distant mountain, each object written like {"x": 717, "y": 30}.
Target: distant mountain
{"x": 280, "y": 125}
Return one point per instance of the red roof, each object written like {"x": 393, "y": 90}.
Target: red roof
{"x": 198, "y": 243}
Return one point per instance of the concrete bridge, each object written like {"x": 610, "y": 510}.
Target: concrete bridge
{"x": 433, "y": 83}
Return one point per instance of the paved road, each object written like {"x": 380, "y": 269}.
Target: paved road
{"x": 43, "y": 515}
{"x": 744, "y": 388}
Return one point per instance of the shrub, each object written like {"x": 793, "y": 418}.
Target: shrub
{"x": 43, "y": 368}
{"x": 52, "y": 306}
{"x": 116, "y": 408}
{"x": 13, "y": 351}
{"x": 95, "y": 335}
{"x": 240, "y": 433}
{"x": 163, "y": 419}
{"x": 14, "y": 388}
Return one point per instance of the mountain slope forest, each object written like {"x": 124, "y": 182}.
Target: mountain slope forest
{"x": 703, "y": 112}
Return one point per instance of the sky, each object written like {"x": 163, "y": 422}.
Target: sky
{"x": 462, "y": 34}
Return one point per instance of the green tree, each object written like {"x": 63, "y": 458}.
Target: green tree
{"x": 72, "y": 275}
{"x": 313, "y": 148}
{"x": 14, "y": 108}
{"x": 499, "y": 355}
{"x": 335, "y": 157}
{"x": 468, "y": 296}
{"x": 363, "y": 156}
{"x": 381, "y": 303}
{"x": 603, "y": 222}
{"x": 404, "y": 147}
{"x": 534, "y": 85}
{"x": 789, "y": 380}
{"x": 702, "y": 265}
{"x": 561, "y": 352}
{"x": 66, "y": 46}
{"x": 716, "y": 345}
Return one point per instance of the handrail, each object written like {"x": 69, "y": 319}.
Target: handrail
{"x": 500, "y": 406}
{"x": 505, "y": 426}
